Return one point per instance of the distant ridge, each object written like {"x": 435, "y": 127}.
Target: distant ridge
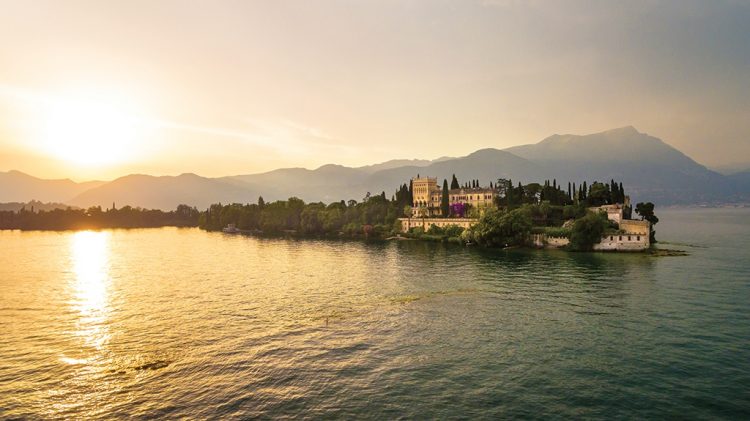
{"x": 395, "y": 163}
{"x": 16, "y": 186}
{"x": 650, "y": 169}
{"x": 164, "y": 192}
{"x": 34, "y": 205}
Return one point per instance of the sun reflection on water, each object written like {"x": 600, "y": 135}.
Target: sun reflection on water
{"x": 90, "y": 261}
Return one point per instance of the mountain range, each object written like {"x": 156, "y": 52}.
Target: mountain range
{"x": 650, "y": 170}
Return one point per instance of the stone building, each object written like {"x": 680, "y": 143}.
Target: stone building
{"x": 428, "y": 196}
{"x": 633, "y": 235}
{"x": 424, "y": 191}
{"x": 476, "y": 197}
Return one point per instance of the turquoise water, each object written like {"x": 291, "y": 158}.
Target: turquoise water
{"x": 180, "y": 323}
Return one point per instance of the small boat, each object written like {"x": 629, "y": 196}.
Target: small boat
{"x": 230, "y": 229}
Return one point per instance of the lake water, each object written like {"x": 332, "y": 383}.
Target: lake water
{"x": 180, "y": 323}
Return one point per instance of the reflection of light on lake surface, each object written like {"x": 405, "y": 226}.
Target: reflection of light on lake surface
{"x": 90, "y": 259}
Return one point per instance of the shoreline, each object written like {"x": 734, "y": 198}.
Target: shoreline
{"x": 653, "y": 251}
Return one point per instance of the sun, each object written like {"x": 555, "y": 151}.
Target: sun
{"x": 89, "y": 132}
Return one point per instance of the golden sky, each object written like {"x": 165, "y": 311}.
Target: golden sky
{"x": 100, "y": 89}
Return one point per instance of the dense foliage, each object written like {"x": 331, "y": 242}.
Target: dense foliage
{"x": 588, "y": 231}
{"x": 501, "y": 228}
{"x": 646, "y": 211}
{"x": 374, "y": 216}
{"x": 95, "y": 218}
{"x": 597, "y": 194}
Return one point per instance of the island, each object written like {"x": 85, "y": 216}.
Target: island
{"x": 581, "y": 218}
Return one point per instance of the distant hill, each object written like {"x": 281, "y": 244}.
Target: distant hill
{"x": 327, "y": 183}
{"x": 395, "y": 163}
{"x": 650, "y": 170}
{"x": 731, "y": 169}
{"x": 16, "y": 186}
{"x": 741, "y": 180}
{"x": 485, "y": 165}
{"x": 335, "y": 182}
{"x": 164, "y": 192}
{"x": 34, "y": 205}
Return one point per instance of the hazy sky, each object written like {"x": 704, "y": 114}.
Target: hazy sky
{"x": 103, "y": 88}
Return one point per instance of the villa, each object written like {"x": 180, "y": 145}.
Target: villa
{"x": 632, "y": 235}
{"x": 428, "y": 197}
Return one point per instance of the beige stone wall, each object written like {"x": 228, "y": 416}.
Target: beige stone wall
{"x": 544, "y": 241}
{"x": 423, "y": 190}
{"x": 477, "y": 198}
{"x": 614, "y": 212}
{"x": 625, "y": 242}
{"x": 425, "y": 223}
{"x": 558, "y": 242}
{"x": 631, "y": 226}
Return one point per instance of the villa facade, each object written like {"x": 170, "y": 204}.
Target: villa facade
{"x": 428, "y": 196}
{"x": 426, "y": 223}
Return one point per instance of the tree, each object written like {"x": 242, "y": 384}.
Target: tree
{"x": 501, "y": 229}
{"x": 584, "y": 192}
{"x": 503, "y": 188}
{"x": 444, "y": 202}
{"x": 454, "y": 183}
{"x": 588, "y": 231}
{"x": 520, "y": 193}
{"x": 575, "y": 194}
{"x": 646, "y": 211}
{"x": 599, "y": 194}
{"x": 261, "y": 202}
{"x": 533, "y": 192}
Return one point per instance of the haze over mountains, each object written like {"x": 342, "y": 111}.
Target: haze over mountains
{"x": 650, "y": 169}
{"x": 16, "y": 186}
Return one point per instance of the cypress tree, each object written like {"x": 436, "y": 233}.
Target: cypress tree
{"x": 454, "y": 183}
{"x": 509, "y": 192}
{"x": 520, "y": 192}
{"x": 444, "y": 203}
{"x": 575, "y": 196}
{"x": 585, "y": 191}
